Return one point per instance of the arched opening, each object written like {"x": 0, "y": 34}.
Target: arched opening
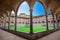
{"x": 2, "y": 22}
{"x": 39, "y": 17}
{"x": 12, "y": 20}
{"x": 23, "y": 15}
{"x": 6, "y": 23}
{"x": 50, "y": 18}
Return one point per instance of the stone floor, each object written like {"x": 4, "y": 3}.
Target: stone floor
{"x": 52, "y": 36}
{"x": 8, "y": 36}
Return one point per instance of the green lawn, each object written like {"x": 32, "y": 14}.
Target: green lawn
{"x": 27, "y": 28}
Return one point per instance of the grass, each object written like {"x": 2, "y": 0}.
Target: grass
{"x": 27, "y": 28}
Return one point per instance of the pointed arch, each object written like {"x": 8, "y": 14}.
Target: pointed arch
{"x": 38, "y": 9}
{"x": 22, "y": 8}
{"x": 23, "y": 12}
{"x": 39, "y": 12}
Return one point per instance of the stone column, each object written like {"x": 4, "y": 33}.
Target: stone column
{"x": 53, "y": 20}
{"x": 46, "y": 20}
{"x": 0, "y": 22}
{"x": 9, "y": 13}
{"x": 4, "y": 21}
{"x": 15, "y": 20}
{"x": 57, "y": 20}
{"x": 31, "y": 23}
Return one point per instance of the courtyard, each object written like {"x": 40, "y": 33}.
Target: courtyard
{"x": 26, "y": 28}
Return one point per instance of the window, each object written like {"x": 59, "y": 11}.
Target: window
{"x": 12, "y": 22}
{"x": 20, "y": 22}
{"x": 39, "y": 22}
{"x": 43, "y": 21}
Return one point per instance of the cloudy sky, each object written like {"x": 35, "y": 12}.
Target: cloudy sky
{"x": 38, "y": 9}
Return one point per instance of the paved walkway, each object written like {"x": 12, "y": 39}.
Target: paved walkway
{"x": 52, "y": 36}
{"x": 8, "y": 36}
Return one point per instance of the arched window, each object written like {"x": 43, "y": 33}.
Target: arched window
{"x": 39, "y": 22}
{"x": 51, "y": 21}
{"x": 48, "y": 21}
{"x": 23, "y": 22}
{"x": 36, "y": 22}
{"x": 43, "y": 21}
{"x": 55, "y": 21}
{"x": 20, "y": 22}
{"x": 12, "y": 22}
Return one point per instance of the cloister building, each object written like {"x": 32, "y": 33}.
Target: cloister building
{"x": 7, "y": 18}
{"x": 24, "y": 19}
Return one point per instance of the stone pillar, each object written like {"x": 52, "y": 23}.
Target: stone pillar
{"x": 15, "y": 20}
{"x": 31, "y": 23}
{"x": 53, "y": 20}
{"x": 4, "y": 21}
{"x": 9, "y": 14}
{"x": 57, "y": 20}
{"x": 0, "y": 22}
{"x": 47, "y": 20}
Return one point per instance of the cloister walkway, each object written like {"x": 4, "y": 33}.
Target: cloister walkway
{"x": 8, "y": 36}
{"x": 52, "y": 36}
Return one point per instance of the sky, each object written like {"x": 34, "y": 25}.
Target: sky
{"x": 38, "y": 9}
